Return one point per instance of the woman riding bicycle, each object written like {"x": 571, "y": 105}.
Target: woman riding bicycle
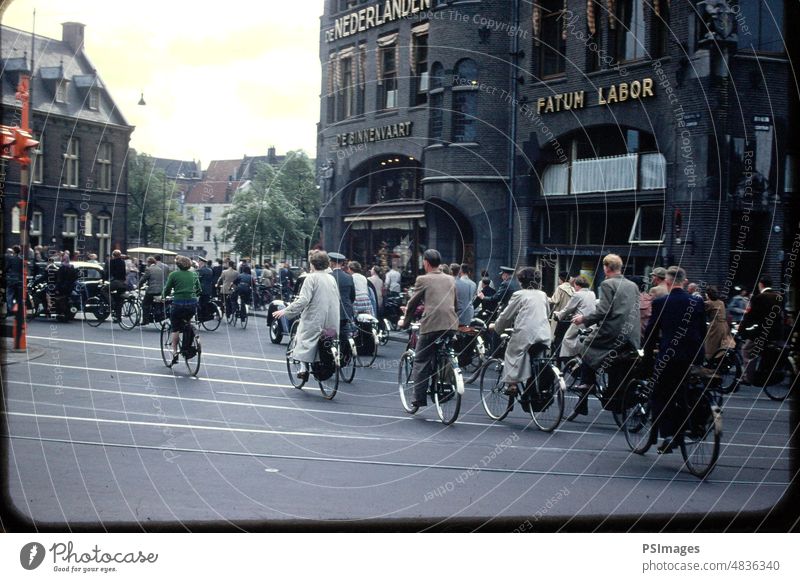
{"x": 317, "y": 305}
{"x": 527, "y": 312}
{"x": 185, "y": 288}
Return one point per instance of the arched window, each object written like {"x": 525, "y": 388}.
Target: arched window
{"x": 465, "y": 101}
{"x": 436, "y": 102}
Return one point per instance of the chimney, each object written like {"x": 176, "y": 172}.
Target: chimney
{"x": 72, "y": 35}
{"x": 271, "y": 155}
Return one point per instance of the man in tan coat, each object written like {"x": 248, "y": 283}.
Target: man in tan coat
{"x": 438, "y": 292}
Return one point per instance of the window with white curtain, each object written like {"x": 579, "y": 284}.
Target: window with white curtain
{"x": 653, "y": 172}
{"x": 555, "y": 180}
{"x": 612, "y": 174}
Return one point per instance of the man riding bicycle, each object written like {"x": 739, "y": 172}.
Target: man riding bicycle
{"x": 438, "y": 292}
{"x": 243, "y": 287}
{"x": 185, "y": 288}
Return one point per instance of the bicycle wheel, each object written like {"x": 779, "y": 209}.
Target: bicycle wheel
{"x": 330, "y": 386}
{"x": 472, "y": 368}
{"x": 700, "y": 443}
{"x": 383, "y": 332}
{"x": 96, "y": 310}
{"x": 214, "y": 322}
{"x": 372, "y": 342}
{"x": 446, "y": 392}
{"x": 166, "y": 344}
{"x": 129, "y": 314}
{"x": 572, "y": 396}
{"x": 496, "y": 404}
{"x": 244, "y": 315}
{"x": 780, "y": 390}
{"x": 230, "y": 312}
{"x": 637, "y": 423}
{"x": 404, "y": 382}
{"x": 293, "y": 366}
{"x": 193, "y": 362}
{"x": 727, "y": 367}
{"x": 347, "y": 371}
{"x": 546, "y": 398}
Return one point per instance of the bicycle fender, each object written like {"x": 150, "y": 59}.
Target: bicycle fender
{"x": 459, "y": 380}
{"x": 716, "y": 412}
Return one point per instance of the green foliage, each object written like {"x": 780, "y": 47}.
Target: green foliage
{"x": 277, "y": 212}
{"x": 149, "y": 193}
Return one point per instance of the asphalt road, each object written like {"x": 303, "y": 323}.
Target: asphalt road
{"x": 99, "y": 430}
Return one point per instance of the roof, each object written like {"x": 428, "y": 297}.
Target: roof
{"x": 177, "y": 168}
{"x": 223, "y": 170}
{"x": 51, "y": 56}
{"x": 212, "y": 192}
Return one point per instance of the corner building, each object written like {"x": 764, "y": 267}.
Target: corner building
{"x": 656, "y": 129}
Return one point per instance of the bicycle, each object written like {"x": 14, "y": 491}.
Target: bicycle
{"x": 775, "y": 368}
{"x": 471, "y": 349}
{"x": 97, "y": 309}
{"x": 367, "y": 339}
{"x": 542, "y": 396}
{"x": 700, "y": 433}
{"x": 238, "y": 311}
{"x": 209, "y": 316}
{"x": 325, "y": 369}
{"x": 446, "y": 386}
{"x": 188, "y": 345}
{"x": 727, "y": 364}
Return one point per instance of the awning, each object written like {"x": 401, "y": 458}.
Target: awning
{"x": 376, "y": 217}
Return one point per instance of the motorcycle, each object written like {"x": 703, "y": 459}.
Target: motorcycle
{"x": 278, "y": 326}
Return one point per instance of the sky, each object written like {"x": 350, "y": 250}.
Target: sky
{"x": 219, "y": 83}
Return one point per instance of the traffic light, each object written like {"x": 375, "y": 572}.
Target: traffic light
{"x": 23, "y": 145}
{"x": 8, "y": 137}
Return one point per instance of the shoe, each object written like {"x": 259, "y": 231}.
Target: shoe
{"x": 668, "y": 445}
{"x": 419, "y": 403}
{"x": 302, "y": 375}
{"x": 175, "y": 358}
{"x": 510, "y": 391}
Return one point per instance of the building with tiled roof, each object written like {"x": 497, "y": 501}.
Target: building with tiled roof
{"x": 78, "y": 194}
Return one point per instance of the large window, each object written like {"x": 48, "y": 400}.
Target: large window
{"x": 104, "y": 166}
{"x": 594, "y": 43}
{"x": 661, "y": 29}
{"x": 550, "y": 37}
{"x": 465, "y": 101}
{"x": 207, "y": 234}
{"x": 419, "y": 67}
{"x": 346, "y": 88}
{"x": 37, "y": 161}
{"x": 648, "y": 225}
{"x": 361, "y": 87}
{"x": 764, "y": 22}
{"x": 36, "y": 223}
{"x": 607, "y": 159}
{"x": 436, "y": 102}
{"x": 70, "y": 224}
{"x": 104, "y": 236}
{"x": 387, "y": 77}
{"x": 71, "y": 169}
{"x": 206, "y": 213}
{"x": 630, "y": 30}
{"x": 390, "y": 178}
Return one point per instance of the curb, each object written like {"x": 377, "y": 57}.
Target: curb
{"x": 11, "y": 357}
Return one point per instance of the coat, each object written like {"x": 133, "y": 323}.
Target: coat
{"x": 718, "y": 335}
{"x": 582, "y": 303}
{"x": 154, "y": 279}
{"x": 317, "y": 305}
{"x": 438, "y": 291}
{"x": 527, "y": 312}
{"x": 617, "y": 319}
{"x": 765, "y": 312}
{"x": 678, "y": 326}
{"x": 347, "y": 294}
{"x": 559, "y": 301}
{"x": 465, "y": 293}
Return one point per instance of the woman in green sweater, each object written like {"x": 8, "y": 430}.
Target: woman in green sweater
{"x": 185, "y": 288}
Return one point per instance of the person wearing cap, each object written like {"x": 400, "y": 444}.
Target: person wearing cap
{"x": 500, "y": 297}
{"x": 527, "y": 313}
{"x": 317, "y": 306}
{"x": 438, "y": 292}
{"x": 617, "y": 327}
{"x": 206, "y": 276}
{"x": 659, "y": 288}
{"x": 347, "y": 293}
{"x": 677, "y": 326}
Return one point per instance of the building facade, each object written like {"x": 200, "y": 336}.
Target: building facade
{"x": 79, "y": 177}
{"x": 655, "y": 129}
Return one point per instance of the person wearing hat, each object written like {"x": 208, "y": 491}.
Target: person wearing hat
{"x": 438, "y": 293}
{"x": 504, "y": 291}
{"x": 206, "y": 276}
{"x": 659, "y": 288}
{"x": 528, "y": 313}
{"x": 677, "y": 327}
{"x": 347, "y": 294}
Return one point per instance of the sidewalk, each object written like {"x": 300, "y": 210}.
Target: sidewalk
{"x": 10, "y": 356}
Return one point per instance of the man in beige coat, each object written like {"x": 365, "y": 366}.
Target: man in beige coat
{"x": 438, "y": 292}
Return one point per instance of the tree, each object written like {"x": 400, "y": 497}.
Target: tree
{"x": 149, "y": 193}
{"x": 277, "y": 211}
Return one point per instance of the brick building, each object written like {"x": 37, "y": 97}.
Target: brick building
{"x": 656, "y": 129}
{"x": 78, "y": 193}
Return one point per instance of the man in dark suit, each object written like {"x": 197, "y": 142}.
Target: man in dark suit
{"x": 678, "y": 325}
{"x": 206, "y": 276}
{"x": 216, "y": 271}
{"x": 438, "y": 292}
{"x": 762, "y": 323}
{"x": 347, "y": 293}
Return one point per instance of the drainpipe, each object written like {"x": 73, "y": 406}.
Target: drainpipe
{"x": 512, "y": 165}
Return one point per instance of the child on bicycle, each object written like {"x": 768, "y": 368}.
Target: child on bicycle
{"x": 185, "y": 288}
{"x": 528, "y": 313}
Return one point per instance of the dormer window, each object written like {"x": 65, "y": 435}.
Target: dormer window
{"x": 94, "y": 99}
{"x": 61, "y": 91}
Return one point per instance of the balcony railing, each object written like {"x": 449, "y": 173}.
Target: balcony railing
{"x": 603, "y": 175}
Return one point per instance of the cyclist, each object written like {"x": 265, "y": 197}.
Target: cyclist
{"x": 317, "y": 305}
{"x": 528, "y": 313}
{"x": 225, "y": 283}
{"x": 678, "y": 324}
{"x": 153, "y": 278}
{"x": 762, "y": 323}
{"x": 243, "y": 286}
{"x": 438, "y": 291}
{"x": 118, "y": 283}
{"x": 185, "y": 288}
{"x": 618, "y": 326}
{"x": 206, "y": 276}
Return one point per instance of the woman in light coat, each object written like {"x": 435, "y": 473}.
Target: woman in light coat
{"x": 581, "y": 303}
{"x": 719, "y": 333}
{"x": 317, "y": 305}
{"x": 528, "y": 313}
